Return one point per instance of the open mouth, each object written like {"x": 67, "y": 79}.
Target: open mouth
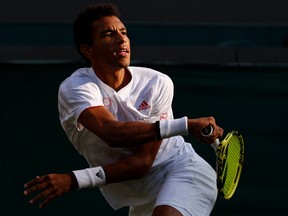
{"x": 122, "y": 52}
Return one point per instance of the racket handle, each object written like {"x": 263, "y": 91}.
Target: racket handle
{"x": 207, "y": 131}
{"x": 215, "y": 144}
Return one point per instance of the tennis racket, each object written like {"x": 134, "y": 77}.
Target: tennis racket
{"x": 229, "y": 161}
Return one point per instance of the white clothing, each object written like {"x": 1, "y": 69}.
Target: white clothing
{"x": 148, "y": 97}
{"x": 186, "y": 183}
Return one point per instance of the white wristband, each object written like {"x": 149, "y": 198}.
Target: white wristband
{"x": 90, "y": 177}
{"x": 169, "y": 128}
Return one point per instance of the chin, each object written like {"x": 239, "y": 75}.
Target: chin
{"x": 125, "y": 64}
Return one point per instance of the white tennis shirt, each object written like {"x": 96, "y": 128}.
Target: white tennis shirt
{"x": 148, "y": 97}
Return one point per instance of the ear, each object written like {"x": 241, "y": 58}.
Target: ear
{"x": 86, "y": 51}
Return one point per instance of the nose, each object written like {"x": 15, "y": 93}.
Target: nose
{"x": 122, "y": 38}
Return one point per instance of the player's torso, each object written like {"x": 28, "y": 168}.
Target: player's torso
{"x": 135, "y": 101}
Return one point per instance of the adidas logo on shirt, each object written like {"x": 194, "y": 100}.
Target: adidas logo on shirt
{"x": 144, "y": 105}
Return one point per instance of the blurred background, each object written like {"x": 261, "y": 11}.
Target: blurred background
{"x": 227, "y": 58}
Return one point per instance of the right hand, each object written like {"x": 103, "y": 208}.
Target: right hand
{"x": 49, "y": 187}
{"x": 196, "y": 125}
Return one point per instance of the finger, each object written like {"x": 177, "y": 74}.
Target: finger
{"x": 47, "y": 201}
{"x": 211, "y": 120}
{"x": 220, "y": 132}
{"x": 35, "y": 181}
{"x": 40, "y": 196}
{"x": 37, "y": 187}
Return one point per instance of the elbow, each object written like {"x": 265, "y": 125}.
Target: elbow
{"x": 145, "y": 167}
{"x": 141, "y": 173}
{"x": 144, "y": 172}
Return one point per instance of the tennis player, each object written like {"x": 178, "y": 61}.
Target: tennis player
{"x": 120, "y": 119}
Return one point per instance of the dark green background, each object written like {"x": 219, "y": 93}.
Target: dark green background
{"x": 227, "y": 59}
{"x": 250, "y": 99}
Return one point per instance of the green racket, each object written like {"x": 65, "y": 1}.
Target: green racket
{"x": 229, "y": 161}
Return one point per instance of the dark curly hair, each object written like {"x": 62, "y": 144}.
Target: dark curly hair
{"x": 82, "y": 28}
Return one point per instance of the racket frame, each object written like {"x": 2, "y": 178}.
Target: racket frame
{"x": 221, "y": 151}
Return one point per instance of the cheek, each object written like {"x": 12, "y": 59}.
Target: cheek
{"x": 101, "y": 51}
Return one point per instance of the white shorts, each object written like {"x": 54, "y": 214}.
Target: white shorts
{"x": 189, "y": 185}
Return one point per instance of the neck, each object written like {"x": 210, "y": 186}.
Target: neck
{"x": 116, "y": 79}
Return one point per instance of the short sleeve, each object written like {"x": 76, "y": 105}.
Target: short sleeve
{"x": 74, "y": 96}
{"x": 163, "y": 98}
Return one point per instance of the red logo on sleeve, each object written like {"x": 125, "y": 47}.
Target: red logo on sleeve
{"x": 164, "y": 116}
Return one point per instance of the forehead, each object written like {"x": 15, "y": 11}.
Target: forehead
{"x": 108, "y": 22}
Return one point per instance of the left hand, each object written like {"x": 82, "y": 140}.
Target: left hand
{"x": 196, "y": 125}
{"x": 51, "y": 186}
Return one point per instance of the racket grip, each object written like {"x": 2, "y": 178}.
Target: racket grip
{"x": 207, "y": 131}
{"x": 215, "y": 144}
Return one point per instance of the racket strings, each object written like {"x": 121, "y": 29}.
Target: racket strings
{"x": 231, "y": 165}
{"x": 230, "y": 156}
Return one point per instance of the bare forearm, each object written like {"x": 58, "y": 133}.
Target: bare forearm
{"x": 127, "y": 134}
{"x": 116, "y": 133}
{"x": 130, "y": 134}
{"x": 138, "y": 133}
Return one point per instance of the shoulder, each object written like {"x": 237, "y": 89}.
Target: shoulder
{"x": 79, "y": 86}
{"x": 78, "y": 78}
